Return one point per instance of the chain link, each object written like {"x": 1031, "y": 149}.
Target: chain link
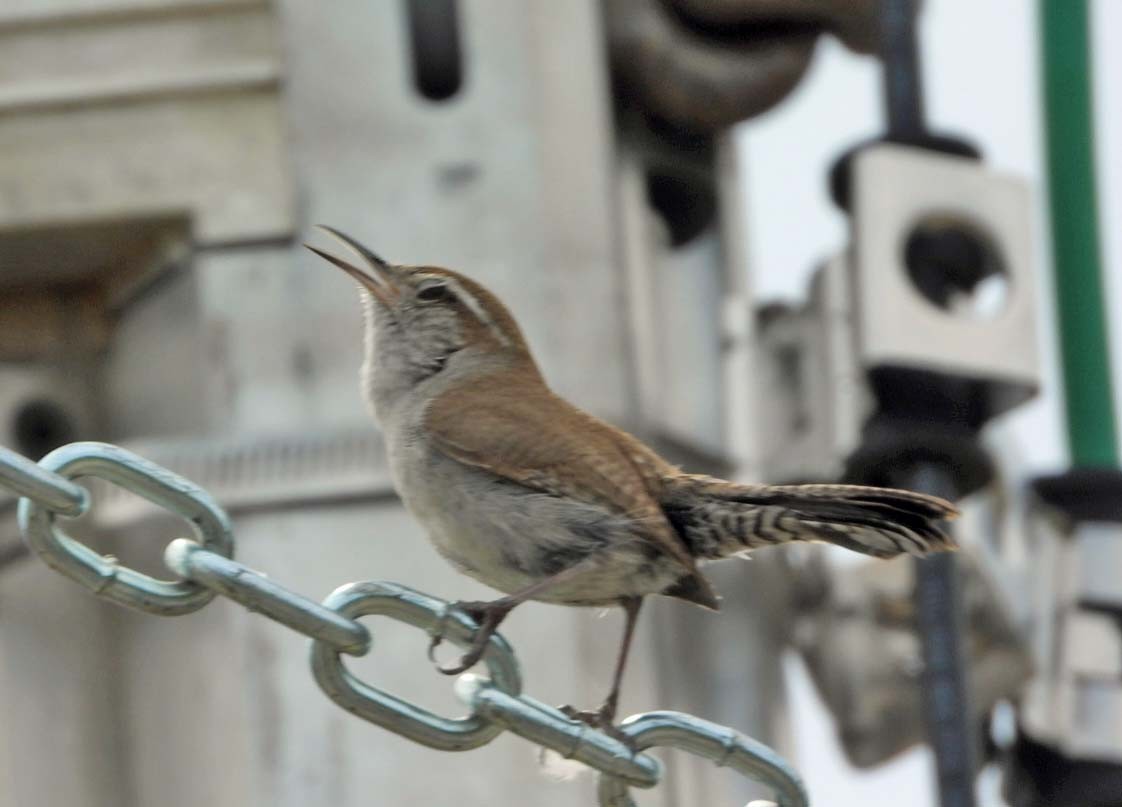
{"x": 102, "y": 575}
{"x": 389, "y": 711}
{"x": 551, "y": 728}
{"x": 205, "y": 567}
{"x": 722, "y": 745}
{"x": 262, "y": 596}
{"x": 24, "y": 478}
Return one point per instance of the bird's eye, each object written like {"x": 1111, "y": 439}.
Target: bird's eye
{"x": 436, "y": 293}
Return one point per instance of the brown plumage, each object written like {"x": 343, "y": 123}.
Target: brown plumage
{"x": 573, "y": 455}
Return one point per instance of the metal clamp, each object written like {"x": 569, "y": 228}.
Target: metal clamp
{"x": 399, "y": 716}
{"x": 727, "y": 748}
{"x": 105, "y": 576}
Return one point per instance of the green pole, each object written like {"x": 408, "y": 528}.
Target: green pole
{"x": 1064, "y": 34}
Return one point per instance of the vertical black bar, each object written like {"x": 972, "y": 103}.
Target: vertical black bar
{"x": 939, "y": 618}
{"x": 903, "y": 83}
{"x": 434, "y": 38}
{"x": 937, "y": 597}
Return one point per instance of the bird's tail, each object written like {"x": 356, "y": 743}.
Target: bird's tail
{"x": 718, "y": 518}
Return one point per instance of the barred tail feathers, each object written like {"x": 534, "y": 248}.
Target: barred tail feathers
{"x": 718, "y": 518}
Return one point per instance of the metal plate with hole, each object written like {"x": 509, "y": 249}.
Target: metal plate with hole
{"x": 914, "y": 214}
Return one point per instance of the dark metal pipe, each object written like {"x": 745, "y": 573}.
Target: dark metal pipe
{"x": 940, "y": 622}
{"x": 939, "y": 613}
{"x": 903, "y": 82}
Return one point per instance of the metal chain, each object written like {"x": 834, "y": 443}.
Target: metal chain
{"x": 205, "y": 568}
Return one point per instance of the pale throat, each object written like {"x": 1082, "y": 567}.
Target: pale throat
{"x": 379, "y": 387}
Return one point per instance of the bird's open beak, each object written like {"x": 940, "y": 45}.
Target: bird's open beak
{"x": 377, "y": 277}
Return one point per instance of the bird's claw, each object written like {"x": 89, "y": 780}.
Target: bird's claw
{"x": 437, "y": 640}
{"x": 466, "y": 662}
{"x": 601, "y": 719}
{"x": 486, "y": 615}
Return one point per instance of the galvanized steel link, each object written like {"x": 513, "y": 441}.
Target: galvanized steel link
{"x": 727, "y": 748}
{"x": 551, "y": 728}
{"x": 262, "y": 596}
{"x": 104, "y": 575}
{"x": 25, "y": 478}
{"x": 389, "y": 711}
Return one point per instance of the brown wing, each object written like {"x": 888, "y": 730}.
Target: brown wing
{"x": 518, "y": 429}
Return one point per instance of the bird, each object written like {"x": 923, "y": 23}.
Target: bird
{"x": 530, "y": 495}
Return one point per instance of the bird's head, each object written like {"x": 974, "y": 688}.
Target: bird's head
{"x": 424, "y": 323}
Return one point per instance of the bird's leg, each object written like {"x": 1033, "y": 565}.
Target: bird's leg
{"x": 489, "y": 615}
{"x": 631, "y": 606}
{"x": 604, "y": 717}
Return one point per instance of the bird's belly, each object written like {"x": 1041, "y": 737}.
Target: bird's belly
{"x": 510, "y": 537}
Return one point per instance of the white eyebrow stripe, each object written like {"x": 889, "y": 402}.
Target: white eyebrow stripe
{"x": 473, "y": 305}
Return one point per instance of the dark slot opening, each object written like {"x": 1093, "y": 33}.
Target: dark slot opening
{"x": 434, "y": 38}
{"x": 40, "y": 426}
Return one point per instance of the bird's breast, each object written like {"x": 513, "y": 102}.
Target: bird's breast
{"x": 462, "y": 516}
{"x": 508, "y": 536}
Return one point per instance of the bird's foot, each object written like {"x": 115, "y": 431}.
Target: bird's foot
{"x": 487, "y": 616}
{"x": 602, "y": 719}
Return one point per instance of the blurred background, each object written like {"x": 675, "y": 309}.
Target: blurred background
{"x": 783, "y": 240}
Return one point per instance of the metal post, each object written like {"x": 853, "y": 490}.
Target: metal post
{"x": 937, "y": 600}
{"x": 1075, "y": 238}
{"x": 939, "y": 620}
{"x": 903, "y": 83}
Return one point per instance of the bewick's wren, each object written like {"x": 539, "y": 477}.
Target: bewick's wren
{"x": 528, "y": 494}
